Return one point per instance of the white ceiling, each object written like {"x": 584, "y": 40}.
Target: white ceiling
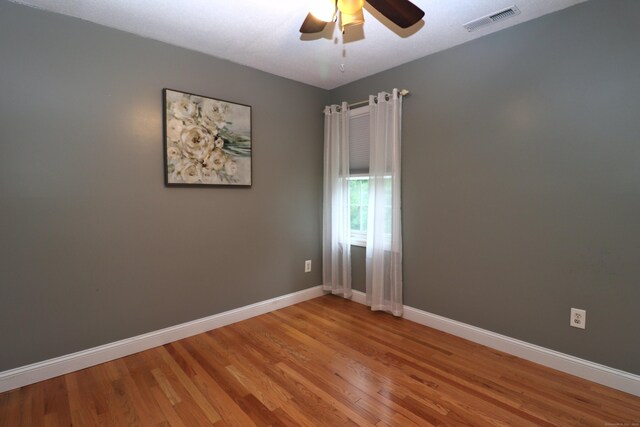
{"x": 263, "y": 34}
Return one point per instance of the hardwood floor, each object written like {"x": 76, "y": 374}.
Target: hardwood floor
{"x": 322, "y": 362}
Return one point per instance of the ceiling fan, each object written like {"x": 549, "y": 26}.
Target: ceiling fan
{"x": 403, "y": 13}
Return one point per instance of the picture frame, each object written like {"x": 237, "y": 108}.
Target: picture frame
{"x": 207, "y": 141}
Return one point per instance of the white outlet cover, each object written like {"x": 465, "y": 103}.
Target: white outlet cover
{"x": 307, "y": 266}
{"x": 578, "y": 318}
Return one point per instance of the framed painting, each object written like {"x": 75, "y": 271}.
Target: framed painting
{"x": 207, "y": 141}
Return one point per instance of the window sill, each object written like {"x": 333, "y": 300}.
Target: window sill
{"x": 359, "y": 238}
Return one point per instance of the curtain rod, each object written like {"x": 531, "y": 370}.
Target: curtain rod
{"x": 402, "y": 92}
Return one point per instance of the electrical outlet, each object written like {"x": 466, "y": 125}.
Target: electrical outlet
{"x": 578, "y": 318}
{"x": 307, "y": 266}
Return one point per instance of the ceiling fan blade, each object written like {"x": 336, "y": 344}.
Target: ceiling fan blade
{"x": 312, "y": 25}
{"x": 403, "y": 13}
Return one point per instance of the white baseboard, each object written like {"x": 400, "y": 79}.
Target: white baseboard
{"x": 591, "y": 371}
{"x": 359, "y": 297}
{"x": 51, "y": 368}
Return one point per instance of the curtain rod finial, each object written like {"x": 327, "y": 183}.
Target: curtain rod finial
{"x": 404, "y": 92}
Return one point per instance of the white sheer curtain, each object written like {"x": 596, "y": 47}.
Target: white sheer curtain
{"x": 336, "y": 232}
{"x": 384, "y": 233}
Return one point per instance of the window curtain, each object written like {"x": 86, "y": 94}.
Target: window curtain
{"x": 384, "y": 231}
{"x": 336, "y": 244}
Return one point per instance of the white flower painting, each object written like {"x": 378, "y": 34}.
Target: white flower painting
{"x": 207, "y": 141}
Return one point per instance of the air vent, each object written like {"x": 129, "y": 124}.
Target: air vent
{"x": 492, "y": 18}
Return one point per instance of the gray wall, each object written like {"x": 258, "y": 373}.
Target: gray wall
{"x": 521, "y": 180}
{"x": 93, "y": 247}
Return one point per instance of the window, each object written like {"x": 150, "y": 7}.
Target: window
{"x": 359, "y": 171}
{"x": 359, "y": 208}
{"x": 359, "y": 178}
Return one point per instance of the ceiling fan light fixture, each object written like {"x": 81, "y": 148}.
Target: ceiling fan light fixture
{"x": 323, "y": 10}
{"x": 348, "y": 20}
{"x": 350, "y": 7}
{"x": 402, "y": 13}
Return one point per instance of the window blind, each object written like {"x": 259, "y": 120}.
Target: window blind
{"x": 359, "y": 140}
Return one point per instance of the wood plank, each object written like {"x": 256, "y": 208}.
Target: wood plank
{"x": 361, "y": 417}
{"x": 10, "y": 403}
{"x": 212, "y": 415}
{"x": 403, "y": 386}
{"x": 224, "y": 404}
{"x": 471, "y": 384}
